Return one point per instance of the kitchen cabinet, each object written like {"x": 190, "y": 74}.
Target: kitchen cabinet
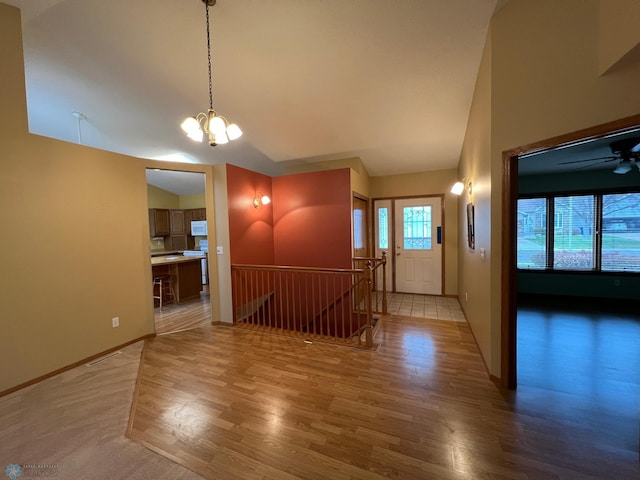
{"x": 178, "y": 238}
{"x": 177, "y": 222}
{"x": 198, "y": 213}
{"x": 177, "y": 242}
{"x": 193, "y": 214}
{"x": 159, "y": 224}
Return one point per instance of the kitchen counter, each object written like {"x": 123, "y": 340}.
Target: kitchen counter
{"x": 171, "y": 259}
{"x": 186, "y": 274}
{"x": 161, "y": 253}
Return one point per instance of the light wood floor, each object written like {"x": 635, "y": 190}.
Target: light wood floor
{"x": 232, "y": 404}
{"x": 236, "y": 404}
{"x": 194, "y": 313}
{"x": 72, "y": 426}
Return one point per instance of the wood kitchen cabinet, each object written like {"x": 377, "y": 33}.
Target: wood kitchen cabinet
{"x": 159, "y": 223}
{"x": 177, "y": 222}
{"x": 177, "y": 242}
{"x": 178, "y": 237}
{"x": 198, "y": 213}
{"x": 193, "y": 214}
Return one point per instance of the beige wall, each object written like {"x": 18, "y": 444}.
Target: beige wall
{"x": 429, "y": 183}
{"x": 475, "y": 164}
{"x": 75, "y": 245}
{"x": 543, "y": 58}
{"x": 159, "y": 198}
{"x": 197, "y": 200}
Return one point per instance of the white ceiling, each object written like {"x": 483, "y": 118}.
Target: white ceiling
{"x": 389, "y": 81}
{"x": 178, "y": 183}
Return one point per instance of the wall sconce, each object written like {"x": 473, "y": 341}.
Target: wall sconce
{"x": 261, "y": 198}
{"x": 459, "y": 187}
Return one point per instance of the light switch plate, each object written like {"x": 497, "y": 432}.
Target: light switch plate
{"x": 483, "y": 254}
{"x": 219, "y": 250}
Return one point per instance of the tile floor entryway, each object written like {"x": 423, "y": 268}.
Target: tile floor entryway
{"x": 423, "y": 306}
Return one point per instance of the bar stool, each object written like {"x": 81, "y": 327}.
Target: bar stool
{"x": 165, "y": 289}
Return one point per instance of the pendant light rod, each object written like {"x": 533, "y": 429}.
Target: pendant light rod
{"x": 218, "y": 128}
{"x": 207, "y": 4}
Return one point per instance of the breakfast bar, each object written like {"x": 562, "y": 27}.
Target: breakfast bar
{"x": 185, "y": 271}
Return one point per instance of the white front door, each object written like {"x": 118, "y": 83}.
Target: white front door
{"x": 418, "y": 245}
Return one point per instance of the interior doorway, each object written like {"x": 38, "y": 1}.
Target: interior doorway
{"x": 360, "y": 226}
{"x": 509, "y": 289}
{"x": 178, "y": 246}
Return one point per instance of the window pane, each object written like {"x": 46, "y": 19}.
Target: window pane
{"x": 358, "y": 229}
{"x": 532, "y": 233}
{"x": 383, "y": 228}
{"x": 417, "y": 228}
{"x": 574, "y": 223}
{"x": 621, "y": 232}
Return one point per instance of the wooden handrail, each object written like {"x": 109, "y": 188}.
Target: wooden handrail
{"x": 372, "y": 264}
{"x": 289, "y": 268}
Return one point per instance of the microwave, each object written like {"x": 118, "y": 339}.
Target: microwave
{"x": 199, "y": 228}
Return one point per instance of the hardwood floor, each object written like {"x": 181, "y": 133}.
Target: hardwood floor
{"x": 194, "y": 313}
{"x": 72, "y": 426}
{"x": 583, "y": 357}
{"x": 236, "y": 404}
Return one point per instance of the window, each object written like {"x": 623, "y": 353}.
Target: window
{"x": 621, "y": 232}
{"x": 417, "y": 228}
{"x": 589, "y": 232}
{"x": 532, "y": 233}
{"x": 573, "y": 240}
{"x": 358, "y": 229}
{"x": 383, "y": 228}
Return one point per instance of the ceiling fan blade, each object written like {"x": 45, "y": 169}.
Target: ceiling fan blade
{"x": 589, "y": 165}
{"x": 597, "y": 159}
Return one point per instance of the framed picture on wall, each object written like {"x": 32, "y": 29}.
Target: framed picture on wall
{"x": 471, "y": 226}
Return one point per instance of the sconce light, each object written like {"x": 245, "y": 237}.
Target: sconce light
{"x": 261, "y": 198}
{"x": 459, "y": 187}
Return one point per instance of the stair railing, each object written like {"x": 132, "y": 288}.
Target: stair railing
{"x": 313, "y": 303}
{"x": 377, "y": 267}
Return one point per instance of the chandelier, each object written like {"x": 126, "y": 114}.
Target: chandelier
{"x": 217, "y": 128}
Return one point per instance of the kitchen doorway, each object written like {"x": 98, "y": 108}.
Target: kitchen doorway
{"x": 178, "y": 246}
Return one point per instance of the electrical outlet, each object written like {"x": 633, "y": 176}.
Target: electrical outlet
{"x": 219, "y": 250}
{"x": 115, "y": 322}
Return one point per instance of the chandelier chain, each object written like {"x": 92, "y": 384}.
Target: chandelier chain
{"x": 206, "y": 7}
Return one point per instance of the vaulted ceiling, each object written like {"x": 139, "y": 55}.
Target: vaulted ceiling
{"x": 389, "y": 81}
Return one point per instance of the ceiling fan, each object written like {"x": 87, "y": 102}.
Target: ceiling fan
{"x": 626, "y": 152}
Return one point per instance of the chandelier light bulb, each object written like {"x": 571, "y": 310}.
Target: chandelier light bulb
{"x": 234, "y": 132}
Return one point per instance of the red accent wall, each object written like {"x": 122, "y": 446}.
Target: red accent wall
{"x": 312, "y": 219}
{"x": 250, "y": 229}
